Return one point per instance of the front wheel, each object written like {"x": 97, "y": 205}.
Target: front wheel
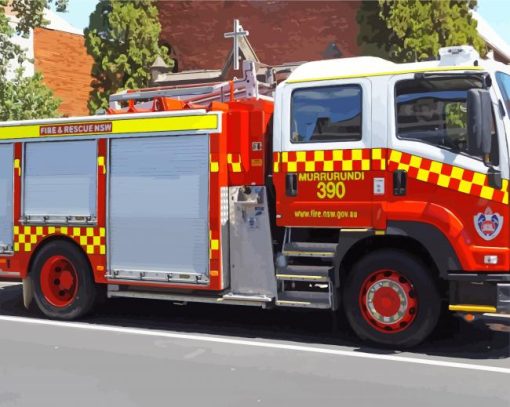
{"x": 390, "y": 298}
{"x": 63, "y": 283}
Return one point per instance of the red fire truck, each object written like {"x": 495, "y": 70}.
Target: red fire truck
{"x": 357, "y": 184}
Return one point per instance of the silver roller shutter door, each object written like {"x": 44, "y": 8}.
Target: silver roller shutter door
{"x": 6, "y": 180}
{"x": 158, "y": 204}
{"x": 60, "y": 178}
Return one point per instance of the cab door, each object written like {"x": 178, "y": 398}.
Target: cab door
{"x": 322, "y": 159}
{"x": 447, "y": 183}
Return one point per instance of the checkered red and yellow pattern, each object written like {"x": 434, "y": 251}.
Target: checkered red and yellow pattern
{"x": 330, "y": 160}
{"x": 422, "y": 169}
{"x": 214, "y": 246}
{"x": 447, "y": 176}
{"x": 92, "y": 239}
{"x": 234, "y": 162}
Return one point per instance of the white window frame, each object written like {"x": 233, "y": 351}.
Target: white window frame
{"x": 436, "y": 153}
{"x": 366, "y": 117}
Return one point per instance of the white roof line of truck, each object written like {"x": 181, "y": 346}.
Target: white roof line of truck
{"x": 368, "y": 73}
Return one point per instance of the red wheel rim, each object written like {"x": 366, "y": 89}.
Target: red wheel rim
{"x": 388, "y": 301}
{"x": 59, "y": 281}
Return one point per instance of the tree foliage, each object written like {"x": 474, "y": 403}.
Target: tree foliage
{"x": 31, "y": 12}
{"x": 414, "y": 30}
{"x": 23, "y": 97}
{"x": 123, "y": 39}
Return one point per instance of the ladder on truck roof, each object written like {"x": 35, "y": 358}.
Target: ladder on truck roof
{"x": 193, "y": 96}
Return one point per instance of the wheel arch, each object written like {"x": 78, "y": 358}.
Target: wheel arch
{"x": 422, "y": 240}
{"x": 50, "y": 239}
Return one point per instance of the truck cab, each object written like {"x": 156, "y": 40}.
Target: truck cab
{"x": 409, "y": 164}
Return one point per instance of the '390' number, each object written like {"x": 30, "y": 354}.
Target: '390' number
{"x": 330, "y": 190}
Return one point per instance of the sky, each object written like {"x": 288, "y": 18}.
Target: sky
{"x": 496, "y": 12}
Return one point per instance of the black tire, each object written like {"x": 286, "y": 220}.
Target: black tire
{"x": 85, "y": 292}
{"x": 424, "y": 294}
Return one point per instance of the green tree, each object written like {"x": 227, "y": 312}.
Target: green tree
{"x": 23, "y": 97}
{"x": 414, "y": 30}
{"x": 123, "y": 39}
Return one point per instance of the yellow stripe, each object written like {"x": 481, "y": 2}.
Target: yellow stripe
{"x": 367, "y": 75}
{"x": 122, "y": 126}
{"x": 293, "y": 302}
{"x": 303, "y": 277}
{"x": 472, "y": 308}
{"x": 17, "y": 166}
{"x": 315, "y": 254}
{"x": 101, "y": 164}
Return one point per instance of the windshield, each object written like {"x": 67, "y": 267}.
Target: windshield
{"x": 435, "y": 112}
{"x": 504, "y": 84}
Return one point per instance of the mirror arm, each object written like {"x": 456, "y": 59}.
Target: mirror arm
{"x": 494, "y": 177}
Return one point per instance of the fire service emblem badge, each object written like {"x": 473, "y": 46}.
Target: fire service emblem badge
{"x": 488, "y": 224}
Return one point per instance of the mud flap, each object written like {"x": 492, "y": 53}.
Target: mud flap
{"x": 28, "y": 291}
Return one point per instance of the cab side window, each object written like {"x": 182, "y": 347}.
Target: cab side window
{"x": 434, "y": 111}
{"x": 326, "y": 114}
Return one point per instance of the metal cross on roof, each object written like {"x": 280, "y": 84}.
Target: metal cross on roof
{"x": 236, "y": 35}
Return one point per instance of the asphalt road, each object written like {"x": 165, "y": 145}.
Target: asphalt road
{"x": 148, "y": 353}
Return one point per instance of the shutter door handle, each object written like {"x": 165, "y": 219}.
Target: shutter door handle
{"x": 291, "y": 184}
{"x": 400, "y": 183}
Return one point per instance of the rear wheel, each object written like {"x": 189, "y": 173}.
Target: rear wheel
{"x": 390, "y": 298}
{"x": 63, "y": 284}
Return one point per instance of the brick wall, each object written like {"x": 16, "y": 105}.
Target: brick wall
{"x": 280, "y": 31}
{"x": 63, "y": 60}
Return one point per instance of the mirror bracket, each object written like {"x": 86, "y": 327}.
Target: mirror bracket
{"x": 494, "y": 177}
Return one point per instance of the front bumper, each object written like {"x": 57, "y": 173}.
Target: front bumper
{"x": 479, "y": 293}
{"x": 503, "y": 303}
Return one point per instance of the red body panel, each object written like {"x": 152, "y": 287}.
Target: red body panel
{"x": 335, "y": 190}
{"x": 236, "y": 158}
{"x": 449, "y": 200}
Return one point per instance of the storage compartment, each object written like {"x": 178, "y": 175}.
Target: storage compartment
{"x": 158, "y": 208}
{"x": 6, "y": 175}
{"x": 60, "y": 181}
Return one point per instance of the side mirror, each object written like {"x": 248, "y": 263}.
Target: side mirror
{"x": 479, "y": 111}
{"x": 479, "y": 142}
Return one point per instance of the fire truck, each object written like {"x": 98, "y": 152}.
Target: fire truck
{"x": 357, "y": 185}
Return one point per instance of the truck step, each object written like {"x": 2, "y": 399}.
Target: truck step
{"x": 309, "y": 249}
{"x": 304, "y": 299}
{"x": 246, "y": 297}
{"x": 234, "y": 299}
{"x": 304, "y": 273}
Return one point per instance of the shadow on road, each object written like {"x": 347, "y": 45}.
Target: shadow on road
{"x": 454, "y": 337}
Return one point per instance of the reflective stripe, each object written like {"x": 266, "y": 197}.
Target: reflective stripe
{"x": 92, "y": 239}
{"x": 329, "y": 160}
{"x": 234, "y": 162}
{"x": 472, "y": 308}
{"x": 420, "y": 168}
{"x": 206, "y": 122}
{"x": 384, "y": 73}
{"x": 447, "y": 176}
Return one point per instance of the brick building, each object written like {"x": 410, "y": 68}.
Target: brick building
{"x": 66, "y": 67}
{"x": 280, "y": 31}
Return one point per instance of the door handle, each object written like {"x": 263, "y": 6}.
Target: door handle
{"x": 291, "y": 184}
{"x": 399, "y": 183}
